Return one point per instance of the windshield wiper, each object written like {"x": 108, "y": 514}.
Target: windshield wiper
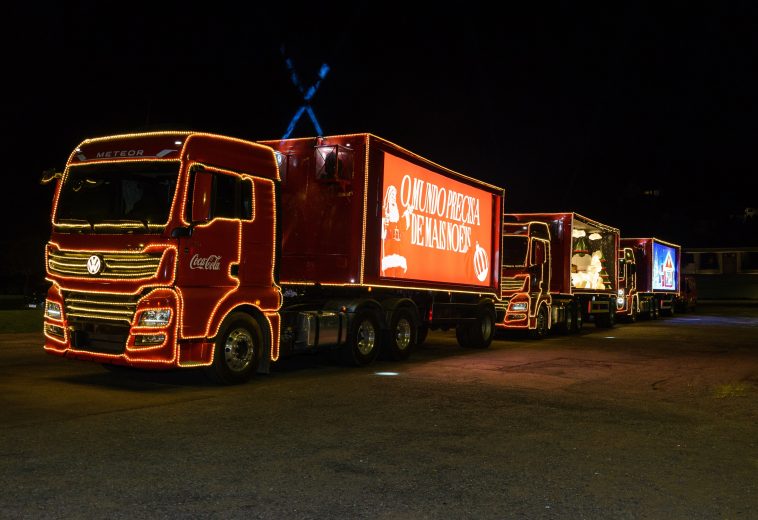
{"x": 77, "y": 222}
{"x": 142, "y": 223}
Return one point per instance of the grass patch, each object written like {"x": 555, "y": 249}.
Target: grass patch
{"x": 731, "y": 390}
{"x": 23, "y": 320}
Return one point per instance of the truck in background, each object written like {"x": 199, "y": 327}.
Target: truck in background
{"x": 649, "y": 278}
{"x": 185, "y": 249}
{"x": 558, "y": 271}
{"x": 687, "y": 300}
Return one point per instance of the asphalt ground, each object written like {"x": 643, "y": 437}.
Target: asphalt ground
{"x": 647, "y": 420}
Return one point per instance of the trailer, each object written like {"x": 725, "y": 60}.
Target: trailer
{"x": 649, "y": 278}
{"x": 559, "y": 270}
{"x": 186, "y": 249}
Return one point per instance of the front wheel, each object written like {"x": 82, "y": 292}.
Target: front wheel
{"x": 236, "y": 350}
{"x": 540, "y": 329}
{"x": 633, "y": 313}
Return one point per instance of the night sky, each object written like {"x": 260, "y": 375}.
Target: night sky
{"x": 642, "y": 119}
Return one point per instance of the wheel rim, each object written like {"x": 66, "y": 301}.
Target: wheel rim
{"x": 238, "y": 350}
{"x": 403, "y": 334}
{"x": 366, "y": 337}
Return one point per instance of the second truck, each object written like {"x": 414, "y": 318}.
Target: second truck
{"x": 559, "y": 271}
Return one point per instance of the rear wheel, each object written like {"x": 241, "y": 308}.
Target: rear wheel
{"x": 570, "y": 316}
{"x": 403, "y": 334}
{"x": 236, "y": 350}
{"x": 578, "y": 321}
{"x": 606, "y": 321}
{"x": 479, "y": 333}
{"x": 363, "y": 339}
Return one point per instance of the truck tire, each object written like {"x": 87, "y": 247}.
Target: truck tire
{"x": 236, "y": 350}
{"x": 568, "y": 317}
{"x": 633, "y": 313}
{"x": 605, "y": 321}
{"x": 363, "y": 339}
{"x": 478, "y": 333}
{"x": 578, "y": 321}
{"x": 540, "y": 330}
{"x": 403, "y": 335}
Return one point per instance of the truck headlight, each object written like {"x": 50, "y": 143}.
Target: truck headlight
{"x": 155, "y": 318}
{"x": 53, "y": 310}
{"x": 519, "y": 306}
{"x": 621, "y": 293}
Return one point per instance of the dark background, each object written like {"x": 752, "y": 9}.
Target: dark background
{"x": 642, "y": 119}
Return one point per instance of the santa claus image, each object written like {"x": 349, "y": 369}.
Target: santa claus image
{"x": 392, "y": 262}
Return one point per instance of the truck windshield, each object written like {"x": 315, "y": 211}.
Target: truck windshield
{"x": 514, "y": 251}
{"x": 126, "y": 197}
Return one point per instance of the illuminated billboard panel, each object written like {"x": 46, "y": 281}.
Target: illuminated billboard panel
{"x": 665, "y": 265}
{"x": 434, "y": 228}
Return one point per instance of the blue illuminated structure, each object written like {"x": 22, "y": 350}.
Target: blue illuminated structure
{"x": 307, "y": 96}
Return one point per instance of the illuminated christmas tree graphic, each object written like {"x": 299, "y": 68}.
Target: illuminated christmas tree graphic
{"x": 580, "y": 247}
{"x": 606, "y": 279}
{"x": 668, "y": 271}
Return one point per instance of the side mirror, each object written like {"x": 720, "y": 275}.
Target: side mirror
{"x": 49, "y": 176}
{"x": 201, "y": 196}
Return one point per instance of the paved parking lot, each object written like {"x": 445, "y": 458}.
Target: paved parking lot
{"x": 649, "y": 420}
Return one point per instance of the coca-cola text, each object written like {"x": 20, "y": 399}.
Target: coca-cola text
{"x": 209, "y": 263}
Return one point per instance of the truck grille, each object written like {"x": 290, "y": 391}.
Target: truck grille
{"x": 511, "y": 283}
{"x": 99, "y": 322}
{"x": 115, "y": 265}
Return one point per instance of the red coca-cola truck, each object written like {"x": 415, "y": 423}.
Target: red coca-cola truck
{"x": 183, "y": 249}
{"x": 558, "y": 271}
{"x": 649, "y": 278}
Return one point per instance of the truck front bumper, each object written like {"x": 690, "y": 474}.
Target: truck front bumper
{"x": 121, "y": 329}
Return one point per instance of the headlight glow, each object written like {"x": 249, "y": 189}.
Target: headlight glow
{"x": 155, "y": 318}
{"x": 53, "y": 310}
{"x": 519, "y": 306}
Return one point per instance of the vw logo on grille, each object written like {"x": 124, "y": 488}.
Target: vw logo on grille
{"x": 94, "y": 264}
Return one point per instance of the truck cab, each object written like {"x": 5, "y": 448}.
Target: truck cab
{"x": 145, "y": 254}
{"x": 526, "y": 273}
{"x": 627, "y": 302}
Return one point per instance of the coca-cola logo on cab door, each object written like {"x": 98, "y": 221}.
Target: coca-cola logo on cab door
{"x": 209, "y": 263}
